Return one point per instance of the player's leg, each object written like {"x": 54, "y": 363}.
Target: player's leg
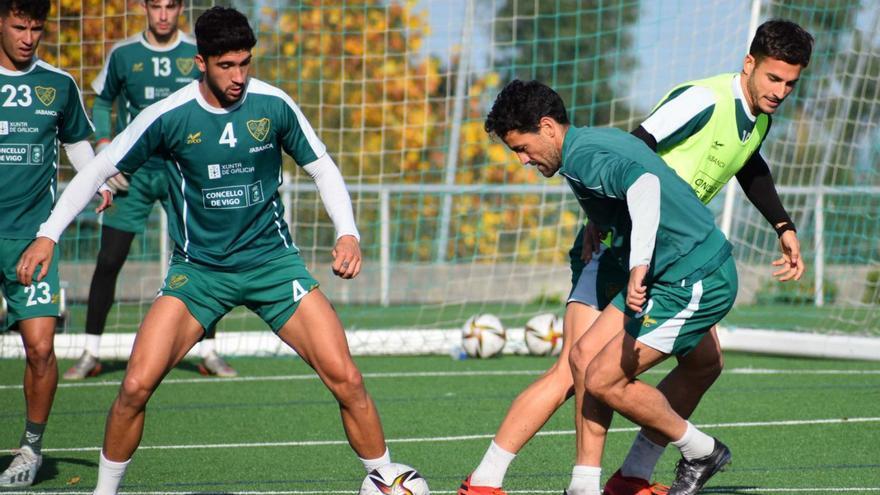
{"x": 592, "y": 418}
{"x": 684, "y": 387}
{"x": 33, "y": 310}
{"x": 676, "y": 321}
{"x": 126, "y": 217}
{"x": 532, "y": 407}
{"x": 167, "y": 333}
{"x": 316, "y": 334}
{"x": 539, "y": 401}
{"x": 115, "y": 245}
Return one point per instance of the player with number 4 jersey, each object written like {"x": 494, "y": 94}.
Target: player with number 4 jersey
{"x": 222, "y": 137}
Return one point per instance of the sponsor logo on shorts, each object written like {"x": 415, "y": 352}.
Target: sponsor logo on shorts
{"x": 177, "y": 281}
{"x": 184, "y": 65}
{"x": 194, "y": 138}
{"x": 259, "y": 129}
{"x": 647, "y": 321}
{"x": 46, "y": 95}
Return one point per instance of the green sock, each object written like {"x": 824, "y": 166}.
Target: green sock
{"x": 33, "y": 436}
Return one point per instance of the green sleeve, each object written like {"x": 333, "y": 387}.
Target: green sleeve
{"x": 298, "y": 138}
{"x": 101, "y": 111}
{"x": 75, "y": 125}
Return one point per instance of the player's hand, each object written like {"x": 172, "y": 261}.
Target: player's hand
{"x": 38, "y": 253}
{"x": 118, "y": 183}
{"x": 636, "y": 292}
{"x": 106, "y": 200}
{"x": 592, "y": 241}
{"x": 347, "y": 257}
{"x": 791, "y": 264}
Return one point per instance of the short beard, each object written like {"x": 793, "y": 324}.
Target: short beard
{"x": 221, "y": 95}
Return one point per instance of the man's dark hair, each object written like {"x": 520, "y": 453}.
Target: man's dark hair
{"x": 221, "y": 30}
{"x": 520, "y": 107}
{"x": 782, "y": 40}
{"x": 35, "y": 10}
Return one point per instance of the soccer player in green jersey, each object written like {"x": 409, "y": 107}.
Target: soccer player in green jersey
{"x": 709, "y": 131}
{"x": 695, "y": 134}
{"x": 680, "y": 276}
{"x": 139, "y": 71}
{"x": 41, "y": 106}
{"x": 223, "y": 137}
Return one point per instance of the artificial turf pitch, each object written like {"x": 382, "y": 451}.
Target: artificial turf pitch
{"x": 794, "y": 425}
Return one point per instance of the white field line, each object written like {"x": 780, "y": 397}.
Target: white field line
{"x": 460, "y": 438}
{"x": 438, "y": 492}
{"x": 434, "y": 374}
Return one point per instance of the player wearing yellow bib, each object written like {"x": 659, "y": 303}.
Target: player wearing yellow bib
{"x": 42, "y": 106}
{"x": 223, "y": 137}
{"x": 700, "y": 126}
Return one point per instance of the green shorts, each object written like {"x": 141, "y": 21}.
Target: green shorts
{"x": 597, "y": 282}
{"x": 273, "y": 290}
{"x": 33, "y": 301}
{"x": 677, "y": 316}
{"x": 131, "y": 209}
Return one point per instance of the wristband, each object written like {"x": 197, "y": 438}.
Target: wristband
{"x": 784, "y": 228}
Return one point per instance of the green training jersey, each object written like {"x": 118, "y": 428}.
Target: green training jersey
{"x": 137, "y": 74}
{"x": 224, "y": 168}
{"x": 706, "y": 132}
{"x": 40, "y": 106}
{"x": 601, "y": 164}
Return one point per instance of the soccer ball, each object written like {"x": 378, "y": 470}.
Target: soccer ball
{"x": 394, "y": 479}
{"x": 483, "y": 336}
{"x": 544, "y": 335}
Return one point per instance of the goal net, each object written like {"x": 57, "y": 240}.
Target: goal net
{"x": 452, "y": 225}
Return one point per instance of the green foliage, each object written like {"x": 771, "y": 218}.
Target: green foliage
{"x": 795, "y": 293}
{"x": 872, "y": 288}
{"x": 571, "y": 46}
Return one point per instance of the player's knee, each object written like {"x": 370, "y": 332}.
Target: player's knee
{"x": 40, "y": 356}
{"x": 109, "y": 261}
{"x": 134, "y": 393}
{"x": 600, "y": 387}
{"x": 348, "y": 386}
{"x": 578, "y": 360}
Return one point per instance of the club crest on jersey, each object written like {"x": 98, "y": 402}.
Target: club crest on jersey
{"x": 184, "y": 65}
{"x": 259, "y": 129}
{"x": 45, "y": 95}
{"x": 177, "y": 281}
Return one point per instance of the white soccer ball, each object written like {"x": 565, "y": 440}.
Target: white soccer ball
{"x": 394, "y": 479}
{"x": 544, "y": 335}
{"x": 483, "y": 336}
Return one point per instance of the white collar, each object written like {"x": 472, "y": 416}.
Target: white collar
{"x": 739, "y": 95}
{"x": 211, "y": 108}
{"x": 166, "y": 48}
{"x": 14, "y": 73}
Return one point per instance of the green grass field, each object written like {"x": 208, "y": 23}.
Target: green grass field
{"x": 794, "y": 425}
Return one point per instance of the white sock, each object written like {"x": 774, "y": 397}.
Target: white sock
{"x": 642, "y": 458}
{"x": 110, "y": 474}
{"x": 206, "y": 346}
{"x": 585, "y": 481}
{"x": 493, "y": 467}
{"x": 694, "y": 444}
{"x": 93, "y": 344}
{"x": 371, "y": 464}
